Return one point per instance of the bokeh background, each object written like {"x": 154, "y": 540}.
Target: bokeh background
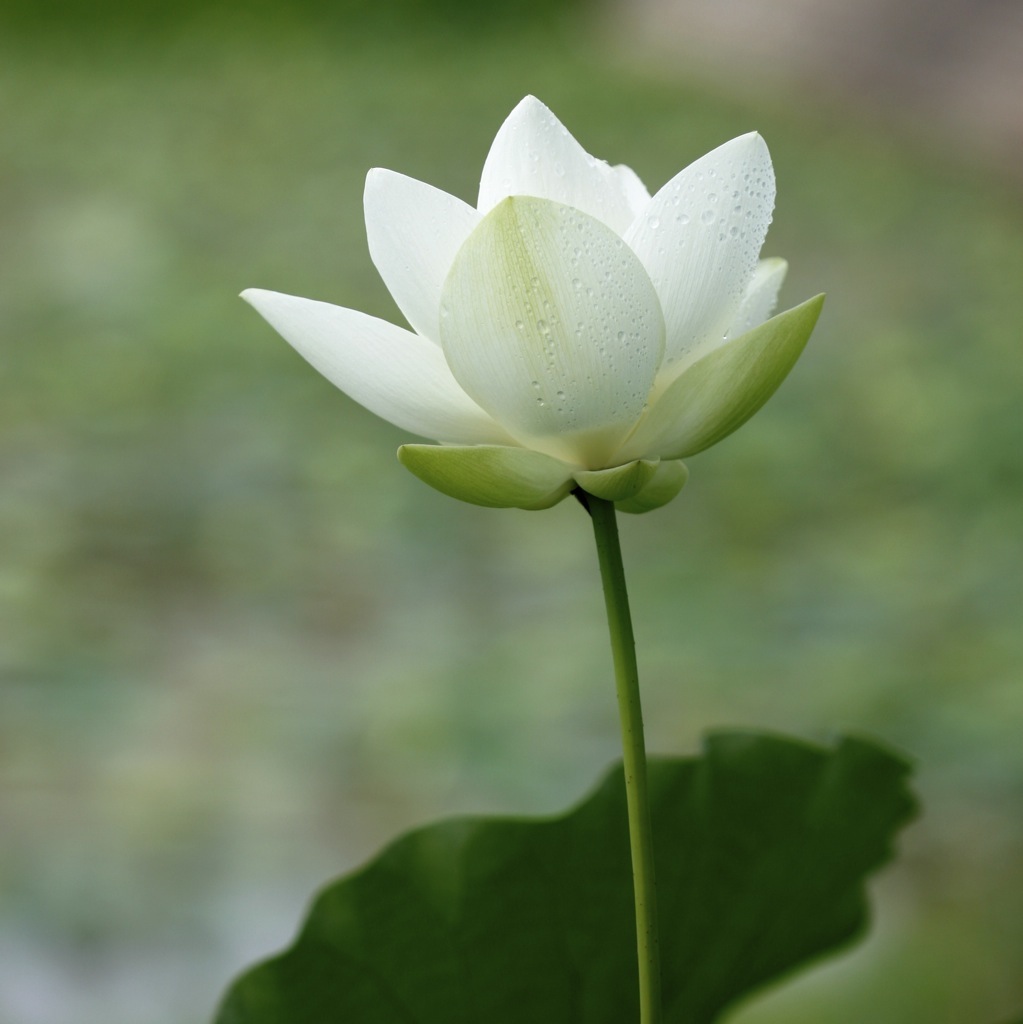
{"x": 241, "y": 648}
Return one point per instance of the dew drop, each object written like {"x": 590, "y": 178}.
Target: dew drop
{"x": 653, "y": 223}
{"x": 707, "y": 217}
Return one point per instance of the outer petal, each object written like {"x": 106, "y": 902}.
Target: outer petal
{"x": 533, "y": 154}
{"x": 669, "y": 479}
{"x": 392, "y": 372}
{"x": 761, "y": 297}
{"x": 700, "y": 237}
{"x": 718, "y": 393}
{"x": 550, "y": 323}
{"x": 489, "y": 475}
{"x": 618, "y": 483}
{"x": 414, "y": 231}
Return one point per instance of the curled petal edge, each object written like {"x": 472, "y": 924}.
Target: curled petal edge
{"x": 494, "y": 476}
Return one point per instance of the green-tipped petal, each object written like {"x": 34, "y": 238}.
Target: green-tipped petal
{"x": 619, "y": 483}
{"x": 490, "y": 475}
{"x": 664, "y": 485}
{"x": 719, "y": 392}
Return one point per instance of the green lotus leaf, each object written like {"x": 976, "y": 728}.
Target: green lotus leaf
{"x": 762, "y": 847}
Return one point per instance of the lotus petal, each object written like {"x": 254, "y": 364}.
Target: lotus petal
{"x": 400, "y": 376}
{"x": 551, "y": 325}
{"x": 718, "y": 393}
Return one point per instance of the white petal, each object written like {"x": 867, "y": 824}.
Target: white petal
{"x": 761, "y": 297}
{"x": 700, "y": 237}
{"x": 632, "y": 187}
{"x": 551, "y": 324}
{"x": 533, "y": 154}
{"x": 414, "y": 231}
{"x": 398, "y": 375}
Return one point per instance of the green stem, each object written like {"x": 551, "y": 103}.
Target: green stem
{"x": 623, "y": 648}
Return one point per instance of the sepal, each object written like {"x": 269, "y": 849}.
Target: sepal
{"x": 491, "y": 475}
{"x": 618, "y": 483}
{"x": 668, "y": 479}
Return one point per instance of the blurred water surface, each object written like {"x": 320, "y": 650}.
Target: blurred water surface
{"x": 241, "y": 647}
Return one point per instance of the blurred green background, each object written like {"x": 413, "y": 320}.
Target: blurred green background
{"x": 241, "y": 648}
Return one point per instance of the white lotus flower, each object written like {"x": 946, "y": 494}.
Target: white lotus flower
{"x": 570, "y": 331}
